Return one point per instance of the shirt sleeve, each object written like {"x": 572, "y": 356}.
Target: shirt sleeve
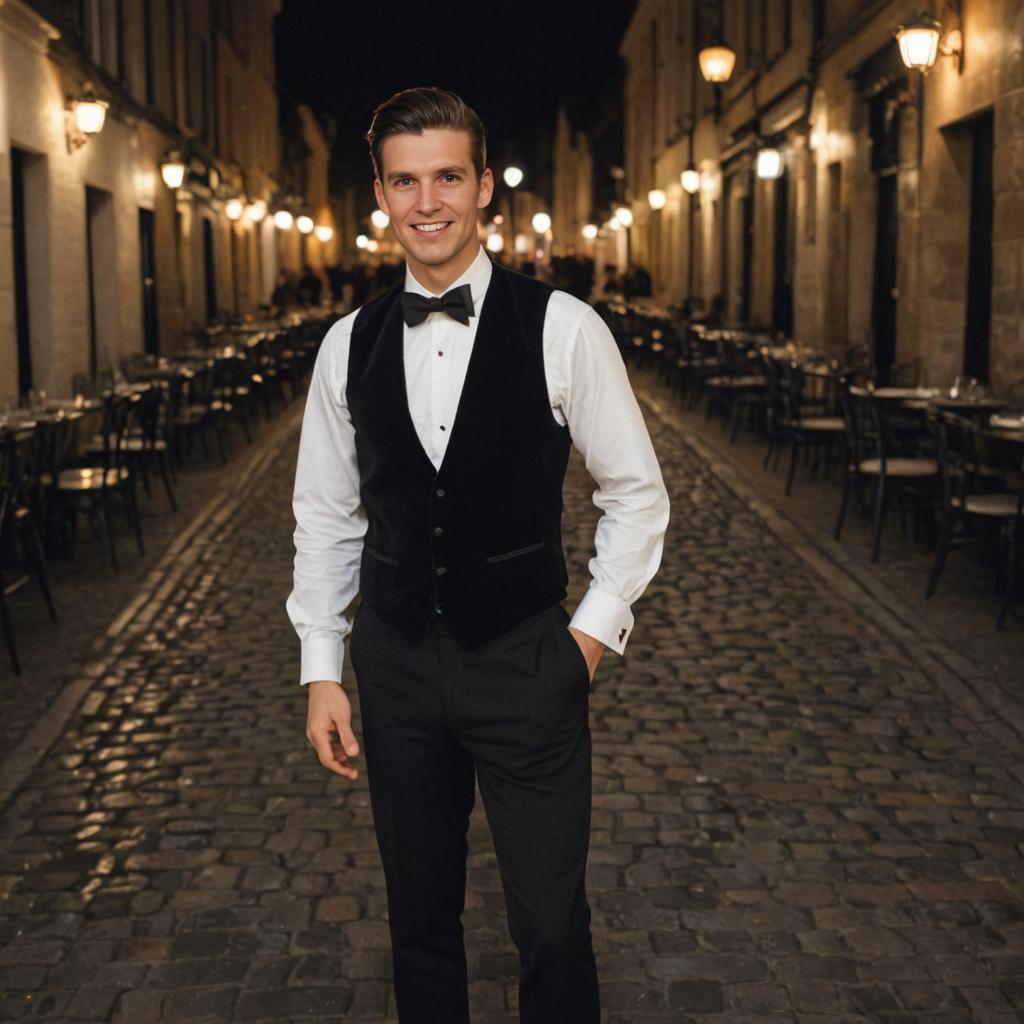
{"x": 608, "y": 429}
{"x": 329, "y": 519}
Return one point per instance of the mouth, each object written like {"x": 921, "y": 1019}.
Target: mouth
{"x": 438, "y": 227}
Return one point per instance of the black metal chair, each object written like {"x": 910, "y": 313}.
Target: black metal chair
{"x": 806, "y": 425}
{"x": 18, "y": 531}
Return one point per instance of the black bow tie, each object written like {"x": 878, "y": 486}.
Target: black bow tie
{"x": 458, "y": 304}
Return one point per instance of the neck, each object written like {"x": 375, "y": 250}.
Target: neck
{"x": 439, "y": 279}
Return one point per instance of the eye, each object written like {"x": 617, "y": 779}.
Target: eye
{"x": 450, "y": 178}
{"x": 402, "y": 181}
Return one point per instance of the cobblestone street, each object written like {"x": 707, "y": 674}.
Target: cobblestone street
{"x": 798, "y": 815}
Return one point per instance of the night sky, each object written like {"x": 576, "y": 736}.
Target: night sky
{"x": 515, "y": 63}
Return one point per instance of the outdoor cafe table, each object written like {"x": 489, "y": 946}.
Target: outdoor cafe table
{"x": 969, "y": 407}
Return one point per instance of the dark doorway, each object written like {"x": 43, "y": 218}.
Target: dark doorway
{"x": 21, "y": 322}
{"x": 782, "y": 286}
{"x": 979, "y": 267}
{"x": 93, "y": 207}
{"x": 883, "y": 306}
{"x": 208, "y": 270}
{"x": 147, "y": 254}
{"x": 746, "y": 252}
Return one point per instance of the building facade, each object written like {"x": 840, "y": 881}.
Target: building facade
{"x": 888, "y": 212}
{"x": 100, "y": 258}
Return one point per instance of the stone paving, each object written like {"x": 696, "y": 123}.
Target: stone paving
{"x": 792, "y": 819}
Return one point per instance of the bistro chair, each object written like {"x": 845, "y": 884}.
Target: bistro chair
{"x": 104, "y": 478}
{"x": 806, "y": 425}
{"x": 966, "y": 502}
{"x": 882, "y": 448}
{"x": 18, "y": 531}
{"x": 736, "y": 375}
{"x": 147, "y": 441}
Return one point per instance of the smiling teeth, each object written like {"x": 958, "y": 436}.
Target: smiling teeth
{"x": 430, "y": 227}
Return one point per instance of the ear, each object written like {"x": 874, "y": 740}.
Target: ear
{"x": 486, "y": 190}
{"x": 378, "y": 191}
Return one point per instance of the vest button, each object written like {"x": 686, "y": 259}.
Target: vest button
{"x": 440, "y": 570}
{"x": 440, "y": 492}
{"x": 438, "y": 531}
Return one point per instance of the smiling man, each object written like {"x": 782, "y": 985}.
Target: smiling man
{"x": 434, "y": 445}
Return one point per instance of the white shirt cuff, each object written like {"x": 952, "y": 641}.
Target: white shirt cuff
{"x": 605, "y": 617}
{"x": 321, "y": 659}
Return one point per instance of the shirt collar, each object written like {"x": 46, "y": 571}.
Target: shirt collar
{"x": 477, "y": 275}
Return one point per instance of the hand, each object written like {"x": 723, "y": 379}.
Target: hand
{"x": 329, "y": 727}
{"x": 591, "y": 647}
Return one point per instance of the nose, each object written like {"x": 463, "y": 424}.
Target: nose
{"x": 426, "y": 202}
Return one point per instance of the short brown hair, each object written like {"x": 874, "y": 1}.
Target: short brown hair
{"x": 412, "y": 111}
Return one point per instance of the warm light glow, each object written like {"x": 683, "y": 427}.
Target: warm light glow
{"x": 522, "y": 244}
{"x": 541, "y": 223}
{"x": 283, "y": 220}
{"x": 324, "y": 232}
{"x": 234, "y": 208}
{"x": 690, "y": 180}
{"x": 656, "y": 197}
{"x": 716, "y": 63}
{"x": 361, "y": 241}
{"x": 919, "y": 42}
{"x": 90, "y": 115}
{"x": 495, "y": 243}
{"x": 590, "y": 232}
{"x": 172, "y": 171}
{"x": 372, "y": 245}
{"x": 304, "y": 224}
{"x": 256, "y": 211}
{"x": 380, "y": 219}
{"x": 499, "y": 219}
{"x": 613, "y": 224}
{"x": 624, "y": 215}
{"x": 769, "y": 163}
{"x": 513, "y": 176}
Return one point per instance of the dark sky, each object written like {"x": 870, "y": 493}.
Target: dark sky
{"x": 513, "y": 62}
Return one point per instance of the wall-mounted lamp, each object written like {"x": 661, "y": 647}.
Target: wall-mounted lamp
{"x": 717, "y": 62}
{"x": 256, "y": 211}
{"x": 304, "y": 224}
{"x": 323, "y": 232}
{"x": 769, "y": 164}
{"x": 362, "y": 241}
{"x": 283, "y": 220}
{"x": 85, "y": 116}
{"x": 233, "y": 209}
{"x": 495, "y": 243}
{"x": 541, "y": 223}
{"x": 589, "y": 232}
{"x": 657, "y": 198}
{"x": 380, "y": 219}
{"x": 919, "y": 44}
{"x": 172, "y": 170}
{"x": 690, "y": 180}
{"x": 624, "y": 215}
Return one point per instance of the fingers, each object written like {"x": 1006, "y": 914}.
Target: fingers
{"x": 334, "y": 746}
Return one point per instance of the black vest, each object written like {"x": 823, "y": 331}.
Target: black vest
{"x": 480, "y": 540}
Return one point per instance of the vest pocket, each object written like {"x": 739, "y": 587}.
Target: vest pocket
{"x": 513, "y": 554}
{"x": 387, "y": 559}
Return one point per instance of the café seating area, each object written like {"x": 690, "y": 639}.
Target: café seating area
{"x": 99, "y": 455}
{"x": 946, "y": 462}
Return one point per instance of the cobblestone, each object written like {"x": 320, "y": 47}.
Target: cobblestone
{"x": 792, "y": 820}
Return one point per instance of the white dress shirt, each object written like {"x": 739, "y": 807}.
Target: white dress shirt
{"x": 587, "y": 388}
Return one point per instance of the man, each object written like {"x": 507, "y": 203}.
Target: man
{"x": 429, "y": 479}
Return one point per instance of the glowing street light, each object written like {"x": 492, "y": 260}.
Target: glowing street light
{"x": 690, "y": 180}
{"x": 362, "y": 241}
{"x": 541, "y": 223}
{"x": 256, "y": 211}
{"x": 90, "y": 114}
{"x": 522, "y": 244}
{"x": 234, "y": 208}
{"x": 380, "y": 219}
{"x": 769, "y": 164}
{"x": 283, "y": 220}
{"x": 657, "y": 198}
{"x": 323, "y": 232}
{"x": 716, "y": 62}
{"x": 624, "y": 215}
{"x": 919, "y": 42}
{"x": 590, "y": 232}
{"x": 495, "y": 243}
{"x": 304, "y": 224}
{"x": 513, "y": 176}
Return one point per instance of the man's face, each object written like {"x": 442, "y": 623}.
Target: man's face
{"x": 429, "y": 189}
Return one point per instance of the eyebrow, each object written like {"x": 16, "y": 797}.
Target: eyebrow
{"x": 453, "y": 169}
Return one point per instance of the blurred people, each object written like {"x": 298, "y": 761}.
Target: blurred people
{"x": 310, "y": 287}
{"x": 284, "y": 295}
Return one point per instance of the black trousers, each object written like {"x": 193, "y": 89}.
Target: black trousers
{"x": 513, "y": 715}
